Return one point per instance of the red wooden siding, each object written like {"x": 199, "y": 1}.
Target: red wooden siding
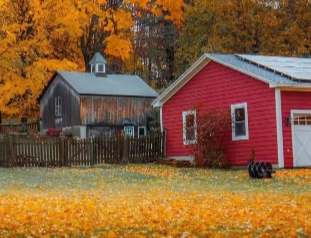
{"x": 292, "y": 101}
{"x": 217, "y": 87}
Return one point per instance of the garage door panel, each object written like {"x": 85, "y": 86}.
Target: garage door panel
{"x": 302, "y": 135}
{"x": 302, "y": 145}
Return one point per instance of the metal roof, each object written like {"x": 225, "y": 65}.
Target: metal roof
{"x": 98, "y": 59}
{"x": 293, "y": 67}
{"x": 111, "y": 84}
{"x": 259, "y": 71}
{"x": 274, "y": 78}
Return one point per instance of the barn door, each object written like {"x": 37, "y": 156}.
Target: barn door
{"x": 301, "y": 133}
{"x": 129, "y": 130}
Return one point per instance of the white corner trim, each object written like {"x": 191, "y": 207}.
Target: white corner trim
{"x": 233, "y": 107}
{"x": 161, "y": 119}
{"x": 279, "y": 127}
{"x": 184, "y": 115}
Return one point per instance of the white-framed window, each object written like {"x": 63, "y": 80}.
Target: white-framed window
{"x": 141, "y": 131}
{"x": 239, "y": 121}
{"x": 129, "y": 130}
{"x": 93, "y": 69}
{"x": 101, "y": 68}
{"x": 189, "y": 119}
{"x": 302, "y": 119}
{"x": 58, "y": 106}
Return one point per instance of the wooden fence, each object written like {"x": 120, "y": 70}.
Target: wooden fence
{"x": 57, "y": 152}
{"x": 30, "y": 127}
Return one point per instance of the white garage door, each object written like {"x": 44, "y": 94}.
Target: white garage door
{"x": 301, "y": 131}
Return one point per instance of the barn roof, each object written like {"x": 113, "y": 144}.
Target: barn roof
{"x": 275, "y": 71}
{"x": 98, "y": 59}
{"x": 111, "y": 84}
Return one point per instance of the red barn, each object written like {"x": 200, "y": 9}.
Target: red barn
{"x": 272, "y": 93}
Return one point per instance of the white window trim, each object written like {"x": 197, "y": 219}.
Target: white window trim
{"x": 58, "y": 106}
{"x": 130, "y": 127}
{"x": 233, "y": 107}
{"x": 184, "y": 115}
{"x": 92, "y": 71}
{"x": 97, "y": 68}
{"x": 145, "y": 131}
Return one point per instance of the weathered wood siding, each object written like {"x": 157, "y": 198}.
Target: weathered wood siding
{"x": 70, "y": 106}
{"x": 109, "y": 110}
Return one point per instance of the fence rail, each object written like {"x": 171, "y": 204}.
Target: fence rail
{"x": 32, "y": 127}
{"x": 57, "y": 152}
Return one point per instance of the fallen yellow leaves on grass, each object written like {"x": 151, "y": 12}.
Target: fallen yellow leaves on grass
{"x": 154, "y": 213}
{"x": 150, "y": 211}
{"x": 168, "y": 172}
{"x": 294, "y": 173}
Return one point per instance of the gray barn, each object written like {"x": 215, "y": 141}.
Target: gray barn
{"x": 100, "y": 104}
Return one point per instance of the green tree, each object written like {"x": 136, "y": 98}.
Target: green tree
{"x": 244, "y": 26}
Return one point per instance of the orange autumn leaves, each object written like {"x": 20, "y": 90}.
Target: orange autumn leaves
{"x": 154, "y": 213}
{"x": 144, "y": 201}
{"x": 35, "y": 33}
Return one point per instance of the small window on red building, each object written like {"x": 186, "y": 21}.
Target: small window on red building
{"x": 239, "y": 121}
{"x": 189, "y": 127}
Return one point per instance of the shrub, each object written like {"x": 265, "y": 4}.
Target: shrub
{"x": 154, "y": 127}
{"x": 212, "y": 127}
{"x": 52, "y": 132}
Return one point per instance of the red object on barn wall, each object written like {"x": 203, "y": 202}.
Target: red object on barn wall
{"x": 269, "y": 101}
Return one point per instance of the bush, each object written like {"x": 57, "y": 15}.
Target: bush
{"x": 212, "y": 127}
{"x": 52, "y": 132}
{"x": 154, "y": 126}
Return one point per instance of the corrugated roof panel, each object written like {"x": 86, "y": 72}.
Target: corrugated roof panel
{"x": 113, "y": 84}
{"x": 293, "y": 67}
{"x": 237, "y": 63}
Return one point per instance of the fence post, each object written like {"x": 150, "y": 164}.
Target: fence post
{"x": 90, "y": 143}
{"x": 62, "y": 151}
{"x": 125, "y": 157}
{"x": 10, "y": 151}
{"x": 66, "y": 151}
{"x": 164, "y": 144}
{"x": 38, "y": 125}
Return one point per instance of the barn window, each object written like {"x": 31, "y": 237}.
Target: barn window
{"x": 189, "y": 127}
{"x": 129, "y": 130}
{"x": 101, "y": 68}
{"x": 58, "y": 106}
{"x": 141, "y": 131}
{"x": 239, "y": 121}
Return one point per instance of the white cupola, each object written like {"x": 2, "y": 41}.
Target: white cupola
{"x": 98, "y": 64}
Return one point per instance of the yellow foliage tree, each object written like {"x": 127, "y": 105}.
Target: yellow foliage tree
{"x": 28, "y": 32}
{"x": 38, "y": 37}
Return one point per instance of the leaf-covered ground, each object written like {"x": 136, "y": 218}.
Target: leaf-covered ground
{"x": 153, "y": 201}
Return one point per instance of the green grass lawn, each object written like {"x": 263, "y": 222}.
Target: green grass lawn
{"x": 146, "y": 177}
{"x": 155, "y": 201}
